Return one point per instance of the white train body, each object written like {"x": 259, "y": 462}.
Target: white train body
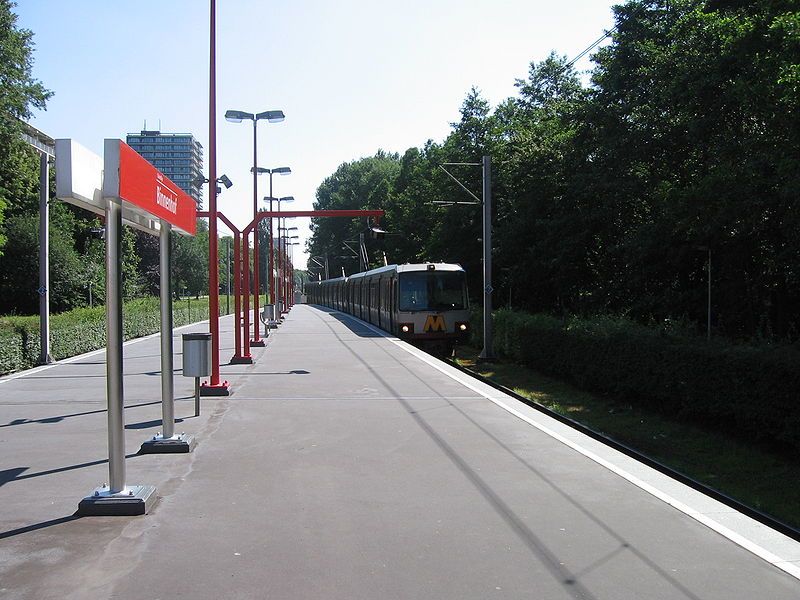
{"x": 423, "y": 303}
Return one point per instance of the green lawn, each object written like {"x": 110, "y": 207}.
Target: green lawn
{"x": 756, "y": 475}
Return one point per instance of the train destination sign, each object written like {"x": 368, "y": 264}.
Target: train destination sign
{"x": 131, "y": 178}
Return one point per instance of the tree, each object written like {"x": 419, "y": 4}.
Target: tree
{"x": 19, "y": 93}
{"x": 359, "y": 185}
{"x": 68, "y": 272}
{"x": 190, "y": 261}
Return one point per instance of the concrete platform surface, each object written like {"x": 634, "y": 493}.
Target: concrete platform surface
{"x": 346, "y": 464}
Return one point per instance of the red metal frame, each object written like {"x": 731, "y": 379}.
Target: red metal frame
{"x": 241, "y": 285}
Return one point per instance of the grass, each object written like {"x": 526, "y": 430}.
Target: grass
{"x": 756, "y": 475}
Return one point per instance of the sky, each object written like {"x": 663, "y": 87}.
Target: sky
{"x": 352, "y": 76}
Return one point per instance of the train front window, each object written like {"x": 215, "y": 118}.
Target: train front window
{"x": 433, "y": 290}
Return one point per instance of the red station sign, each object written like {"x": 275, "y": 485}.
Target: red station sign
{"x": 131, "y": 178}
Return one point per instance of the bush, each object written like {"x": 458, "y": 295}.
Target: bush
{"x": 750, "y": 390}
{"x": 84, "y": 329}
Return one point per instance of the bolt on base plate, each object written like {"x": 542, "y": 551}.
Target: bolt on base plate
{"x": 133, "y": 500}
{"x": 160, "y": 445}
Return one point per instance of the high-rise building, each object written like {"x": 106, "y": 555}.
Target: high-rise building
{"x": 178, "y": 155}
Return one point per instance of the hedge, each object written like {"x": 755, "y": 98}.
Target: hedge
{"x": 753, "y": 391}
{"x": 84, "y": 329}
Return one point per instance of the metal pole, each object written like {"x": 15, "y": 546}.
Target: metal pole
{"x": 278, "y": 284}
{"x": 487, "y": 351}
{"x": 196, "y": 396}
{"x": 271, "y": 248}
{"x": 237, "y": 293}
{"x": 213, "y": 276}
{"x": 228, "y": 278}
{"x": 361, "y": 257}
{"x": 167, "y": 390}
{"x": 256, "y": 286}
{"x": 114, "y": 390}
{"x": 246, "y": 291}
{"x": 287, "y": 282}
{"x": 44, "y": 260}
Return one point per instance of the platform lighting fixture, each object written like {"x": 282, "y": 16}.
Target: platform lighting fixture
{"x": 278, "y": 170}
{"x": 271, "y": 116}
{"x": 224, "y": 180}
{"x": 237, "y": 116}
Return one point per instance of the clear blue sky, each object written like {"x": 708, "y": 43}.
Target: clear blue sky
{"x": 352, "y": 76}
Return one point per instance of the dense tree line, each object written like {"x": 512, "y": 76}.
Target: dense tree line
{"x": 611, "y": 195}
{"x": 77, "y": 269}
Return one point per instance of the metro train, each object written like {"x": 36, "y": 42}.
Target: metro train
{"x": 425, "y": 304}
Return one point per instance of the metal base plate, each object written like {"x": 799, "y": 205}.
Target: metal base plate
{"x": 259, "y": 343}
{"x": 134, "y": 500}
{"x": 217, "y": 390}
{"x": 162, "y": 445}
{"x": 238, "y": 360}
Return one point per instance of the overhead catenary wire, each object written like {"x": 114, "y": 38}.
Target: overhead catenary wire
{"x": 591, "y": 47}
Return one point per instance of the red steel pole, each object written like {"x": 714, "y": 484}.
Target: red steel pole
{"x": 237, "y": 302}
{"x": 246, "y": 293}
{"x": 214, "y": 386}
{"x": 237, "y": 283}
{"x": 256, "y": 338}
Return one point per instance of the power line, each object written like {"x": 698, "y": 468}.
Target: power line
{"x": 594, "y": 45}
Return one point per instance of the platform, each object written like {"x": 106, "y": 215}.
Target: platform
{"x": 348, "y": 465}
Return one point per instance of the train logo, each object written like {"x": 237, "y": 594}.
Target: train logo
{"x": 434, "y": 323}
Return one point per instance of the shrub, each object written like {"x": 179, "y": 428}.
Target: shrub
{"x": 750, "y": 390}
{"x": 84, "y": 329}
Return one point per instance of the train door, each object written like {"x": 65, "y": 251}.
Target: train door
{"x": 380, "y": 301}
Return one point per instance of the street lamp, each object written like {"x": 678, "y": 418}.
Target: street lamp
{"x": 288, "y": 290}
{"x": 271, "y": 116}
{"x": 275, "y": 284}
{"x": 224, "y": 180}
{"x": 280, "y": 171}
{"x": 283, "y": 259}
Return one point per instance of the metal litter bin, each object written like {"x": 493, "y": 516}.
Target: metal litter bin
{"x": 196, "y": 361}
{"x": 268, "y": 317}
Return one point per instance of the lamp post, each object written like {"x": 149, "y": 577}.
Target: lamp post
{"x": 271, "y": 116}
{"x": 281, "y": 171}
{"x": 291, "y": 269}
{"x": 277, "y": 282}
{"x": 288, "y": 268}
{"x": 283, "y": 260}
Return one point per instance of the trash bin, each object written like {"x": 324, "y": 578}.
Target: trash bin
{"x": 196, "y": 361}
{"x": 196, "y": 354}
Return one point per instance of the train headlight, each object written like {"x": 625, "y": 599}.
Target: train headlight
{"x": 462, "y": 327}
{"x": 406, "y": 327}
